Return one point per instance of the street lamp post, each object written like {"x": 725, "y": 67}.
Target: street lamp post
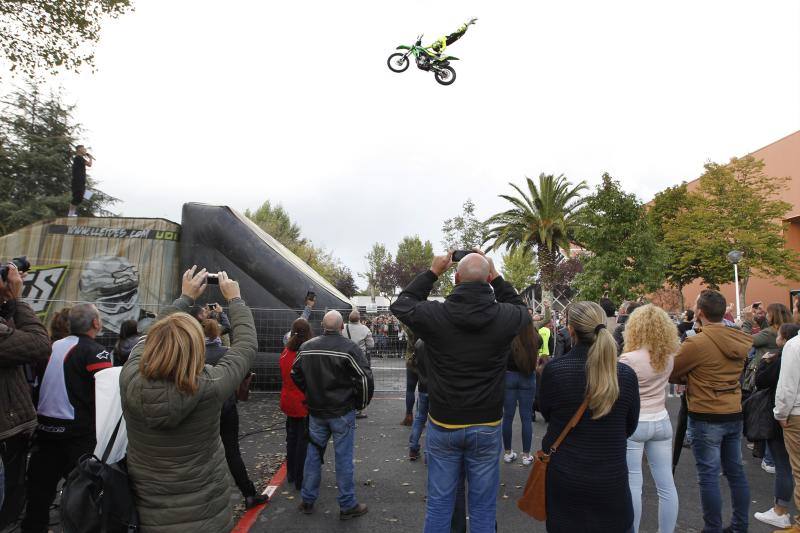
{"x": 734, "y": 257}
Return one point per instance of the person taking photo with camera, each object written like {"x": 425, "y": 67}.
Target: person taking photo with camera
{"x": 23, "y": 341}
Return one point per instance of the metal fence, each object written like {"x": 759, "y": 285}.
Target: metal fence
{"x": 387, "y": 357}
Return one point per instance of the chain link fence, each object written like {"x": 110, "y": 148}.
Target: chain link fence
{"x": 272, "y": 325}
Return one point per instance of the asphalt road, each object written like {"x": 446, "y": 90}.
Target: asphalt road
{"x": 394, "y": 488}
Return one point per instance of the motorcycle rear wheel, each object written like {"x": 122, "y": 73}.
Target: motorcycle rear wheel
{"x": 445, "y": 75}
{"x": 397, "y": 62}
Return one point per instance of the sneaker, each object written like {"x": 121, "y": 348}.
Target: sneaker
{"x": 751, "y": 445}
{"x": 360, "y": 415}
{"x": 413, "y": 455}
{"x": 256, "y": 500}
{"x": 769, "y": 469}
{"x": 407, "y": 421}
{"x": 359, "y": 510}
{"x": 527, "y": 460}
{"x": 306, "y": 508}
{"x": 774, "y": 519}
{"x": 510, "y": 457}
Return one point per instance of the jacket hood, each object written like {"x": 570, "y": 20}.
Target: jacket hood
{"x": 733, "y": 343}
{"x": 160, "y": 403}
{"x": 472, "y": 305}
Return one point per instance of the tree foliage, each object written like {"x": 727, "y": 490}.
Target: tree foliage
{"x": 37, "y": 141}
{"x": 519, "y": 268}
{"x": 380, "y": 274}
{"x": 413, "y": 257}
{"x": 275, "y": 220}
{"x": 45, "y": 35}
{"x": 624, "y": 256}
{"x": 681, "y": 261}
{"x": 544, "y": 219}
{"x": 461, "y": 232}
{"x": 735, "y": 207}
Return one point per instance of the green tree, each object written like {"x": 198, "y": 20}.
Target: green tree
{"x": 47, "y": 35}
{"x": 275, "y": 221}
{"x": 624, "y": 256}
{"x": 413, "y": 257}
{"x": 37, "y": 139}
{"x": 380, "y": 271}
{"x": 344, "y": 282}
{"x": 519, "y": 268}
{"x": 735, "y": 207}
{"x": 462, "y": 232}
{"x": 544, "y": 220}
{"x": 681, "y": 261}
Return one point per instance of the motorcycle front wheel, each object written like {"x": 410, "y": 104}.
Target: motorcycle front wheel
{"x": 445, "y": 75}
{"x": 397, "y": 62}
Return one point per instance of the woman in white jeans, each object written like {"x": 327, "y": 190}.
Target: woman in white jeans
{"x": 651, "y": 341}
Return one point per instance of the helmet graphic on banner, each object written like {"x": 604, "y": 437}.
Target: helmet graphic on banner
{"x": 112, "y": 284}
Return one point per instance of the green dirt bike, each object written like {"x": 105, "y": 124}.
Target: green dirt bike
{"x": 426, "y": 60}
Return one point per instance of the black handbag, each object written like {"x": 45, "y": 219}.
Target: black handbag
{"x": 759, "y": 422}
{"x": 97, "y": 497}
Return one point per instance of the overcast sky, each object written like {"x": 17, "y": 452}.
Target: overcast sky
{"x": 234, "y": 103}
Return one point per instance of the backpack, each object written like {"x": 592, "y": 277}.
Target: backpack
{"x": 97, "y": 497}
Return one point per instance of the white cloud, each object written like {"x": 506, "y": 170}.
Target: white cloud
{"x": 240, "y": 102}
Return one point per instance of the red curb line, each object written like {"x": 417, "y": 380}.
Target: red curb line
{"x": 249, "y": 519}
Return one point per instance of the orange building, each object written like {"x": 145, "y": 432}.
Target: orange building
{"x": 781, "y": 158}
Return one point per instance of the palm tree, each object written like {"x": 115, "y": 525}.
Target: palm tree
{"x": 543, "y": 221}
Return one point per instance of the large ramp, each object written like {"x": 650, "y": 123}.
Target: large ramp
{"x": 271, "y": 277}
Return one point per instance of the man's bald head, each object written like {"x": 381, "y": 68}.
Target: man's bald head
{"x": 474, "y": 267}
{"x": 332, "y": 321}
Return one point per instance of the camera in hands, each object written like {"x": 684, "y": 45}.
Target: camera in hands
{"x": 22, "y": 264}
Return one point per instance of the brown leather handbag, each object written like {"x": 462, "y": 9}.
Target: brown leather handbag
{"x": 243, "y": 392}
{"x": 533, "y": 498}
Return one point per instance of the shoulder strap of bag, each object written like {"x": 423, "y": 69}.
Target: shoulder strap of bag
{"x": 347, "y": 328}
{"x": 110, "y": 444}
{"x": 572, "y": 423}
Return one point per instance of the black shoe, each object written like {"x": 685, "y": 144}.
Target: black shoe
{"x": 360, "y": 415}
{"x": 413, "y": 455}
{"x": 256, "y": 500}
{"x": 355, "y": 512}
{"x": 306, "y": 508}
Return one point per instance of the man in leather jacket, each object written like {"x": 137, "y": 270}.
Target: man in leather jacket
{"x": 337, "y": 381}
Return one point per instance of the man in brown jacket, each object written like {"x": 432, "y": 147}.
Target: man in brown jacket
{"x": 710, "y": 364}
{"x": 23, "y": 340}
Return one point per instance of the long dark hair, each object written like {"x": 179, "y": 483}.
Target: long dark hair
{"x": 301, "y": 332}
{"x": 525, "y": 349}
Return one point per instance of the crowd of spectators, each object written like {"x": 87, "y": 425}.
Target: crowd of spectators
{"x": 479, "y": 359}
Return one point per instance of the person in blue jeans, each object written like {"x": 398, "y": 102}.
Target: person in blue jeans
{"x": 467, "y": 340}
{"x": 651, "y": 343}
{"x": 416, "y": 364}
{"x": 337, "y": 381}
{"x": 711, "y": 362}
{"x": 520, "y": 391}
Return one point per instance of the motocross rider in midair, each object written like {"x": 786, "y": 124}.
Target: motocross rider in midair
{"x": 438, "y": 46}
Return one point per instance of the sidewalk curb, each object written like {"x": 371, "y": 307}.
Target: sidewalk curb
{"x": 249, "y": 519}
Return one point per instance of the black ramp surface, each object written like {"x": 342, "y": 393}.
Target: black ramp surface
{"x": 270, "y": 276}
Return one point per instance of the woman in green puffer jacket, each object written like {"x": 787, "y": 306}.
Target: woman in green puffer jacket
{"x": 172, "y": 402}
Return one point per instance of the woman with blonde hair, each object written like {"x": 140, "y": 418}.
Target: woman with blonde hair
{"x": 172, "y": 402}
{"x": 587, "y": 478}
{"x": 651, "y": 342}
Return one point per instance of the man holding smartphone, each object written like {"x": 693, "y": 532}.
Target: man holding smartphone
{"x": 81, "y": 160}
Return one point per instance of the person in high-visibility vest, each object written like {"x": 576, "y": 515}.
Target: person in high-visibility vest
{"x": 439, "y": 45}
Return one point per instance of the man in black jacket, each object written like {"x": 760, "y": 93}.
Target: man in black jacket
{"x": 337, "y": 380}
{"x": 467, "y": 339}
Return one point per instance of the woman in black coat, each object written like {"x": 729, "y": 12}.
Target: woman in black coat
{"x": 587, "y": 479}
{"x": 766, "y": 378}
